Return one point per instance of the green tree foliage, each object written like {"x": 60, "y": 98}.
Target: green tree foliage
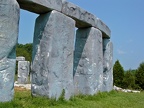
{"x": 28, "y": 48}
{"x": 24, "y": 50}
{"x": 140, "y": 76}
{"x": 129, "y": 80}
{"x": 118, "y": 74}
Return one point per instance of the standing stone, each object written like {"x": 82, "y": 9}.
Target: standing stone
{"x": 23, "y": 72}
{"x": 108, "y": 65}
{"x": 52, "y": 70}
{"x": 88, "y": 61}
{"x": 9, "y": 21}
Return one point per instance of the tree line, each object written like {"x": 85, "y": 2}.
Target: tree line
{"x": 130, "y": 79}
{"x": 24, "y": 50}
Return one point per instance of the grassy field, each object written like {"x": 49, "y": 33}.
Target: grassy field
{"x": 113, "y": 99}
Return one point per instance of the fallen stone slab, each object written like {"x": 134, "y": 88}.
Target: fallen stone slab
{"x": 117, "y": 88}
{"x": 84, "y": 18}
{"x": 25, "y": 86}
{"x": 135, "y": 91}
{"x": 9, "y": 23}
{"x": 125, "y": 90}
{"x": 40, "y": 6}
{"x": 20, "y": 58}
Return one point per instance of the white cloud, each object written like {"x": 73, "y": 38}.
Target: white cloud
{"x": 121, "y": 52}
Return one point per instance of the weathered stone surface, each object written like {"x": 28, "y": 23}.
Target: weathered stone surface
{"x": 52, "y": 69}
{"x": 9, "y": 18}
{"x": 23, "y": 71}
{"x": 20, "y": 58}
{"x": 108, "y": 65}
{"x": 40, "y": 6}
{"x": 88, "y": 61}
{"x": 84, "y": 18}
{"x": 104, "y": 28}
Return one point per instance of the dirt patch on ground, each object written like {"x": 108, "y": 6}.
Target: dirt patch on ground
{"x": 20, "y": 89}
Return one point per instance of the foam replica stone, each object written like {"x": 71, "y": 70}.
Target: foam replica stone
{"x": 104, "y": 28}
{"x": 20, "y": 58}
{"x": 9, "y": 19}
{"x": 88, "y": 61}
{"x": 108, "y": 65}
{"x": 52, "y": 69}
{"x": 23, "y": 72}
{"x": 40, "y": 6}
{"x": 84, "y": 18}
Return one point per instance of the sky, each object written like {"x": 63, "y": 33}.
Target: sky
{"x": 125, "y": 18}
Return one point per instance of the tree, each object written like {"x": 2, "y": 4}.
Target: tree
{"x": 28, "y": 48}
{"x": 129, "y": 80}
{"x": 118, "y": 74}
{"x": 140, "y": 76}
{"x": 24, "y": 53}
{"x": 24, "y": 50}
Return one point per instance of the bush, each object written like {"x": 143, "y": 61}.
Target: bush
{"x": 140, "y": 76}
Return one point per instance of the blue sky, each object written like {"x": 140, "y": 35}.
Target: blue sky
{"x": 125, "y": 18}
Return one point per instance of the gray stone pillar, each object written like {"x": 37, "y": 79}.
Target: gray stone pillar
{"x": 23, "y": 72}
{"x": 108, "y": 65}
{"x": 52, "y": 69}
{"x": 9, "y": 21}
{"x": 88, "y": 61}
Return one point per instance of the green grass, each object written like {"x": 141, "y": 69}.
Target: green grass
{"x": 113, "y": 99}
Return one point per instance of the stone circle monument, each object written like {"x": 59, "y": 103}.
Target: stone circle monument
{"x": 57, "y": 65}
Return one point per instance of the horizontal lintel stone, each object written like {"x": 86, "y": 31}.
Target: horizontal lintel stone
{"x": 106, "y": 32}
{"x": 84, "y": 18}
{"x": 40, "y": 6}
